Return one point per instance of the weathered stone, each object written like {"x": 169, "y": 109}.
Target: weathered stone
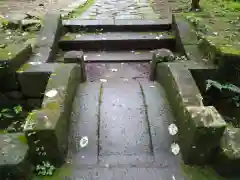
{"x": 33, "y": 84}
{"x": 200, "y": 131}
{"x": 10, "y": 83}
{"x": 228, "y": 161}
{"x": 4, "y": 101}
{"x": 76, "y": 57}
{"x": 16, "y": 57}
{"x": 51, "y": 31}
{"x": 195, "y": 129}
{"x": 160, "y": 55}
{"x": 42, "y": 55}
{"x": 13, "y": 157}
{"x": 34, "y": 103}
{"x": 14, "y": 94}
{"x": 51, "y": 122}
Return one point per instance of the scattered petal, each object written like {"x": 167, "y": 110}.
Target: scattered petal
{"x": 114, "y": 70}
{"x": 172, "y": 128}
{"x": 84, "y": 141}
{"x": 103, "y": 80}
{"x": 51, "y": 93}
{"x": 175, "y": 148}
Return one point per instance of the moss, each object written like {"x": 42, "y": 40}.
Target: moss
{"x": 80, "y": 10}
{"x": 22, "y": 139}
{"x": 24, "y": 68}
{"x": 9, "y": 52}
{"x": 200, "y": 173}
{"x": 3, "y": 131}
{"x": 230, "y": 50}
{"x": 68, "y": 37}
{"x": 62, "y": 173}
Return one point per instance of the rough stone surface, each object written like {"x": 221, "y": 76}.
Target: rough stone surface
{"x": 51, "y": 121}
{"x": 33, "y": 84}
{"x": 196, "y": 129}
{"x": 13, "y": 157}
{"x": 227, "y": 162}
{"x": 48, "y": 38}
{"x": 121, "y": 9}
{"x": 15, "y": 59}
{"x": 76, "y": 57}
{"x": 160, "y": 55}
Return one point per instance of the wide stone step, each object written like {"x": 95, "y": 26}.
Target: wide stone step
{"x": 117, "y": 41}
{"x": 117, "y": 56}
{"x": 75, "y": 25}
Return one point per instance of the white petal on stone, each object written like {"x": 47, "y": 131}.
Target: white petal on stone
{"x": 114, "y": 70}
{"x": 157, "y": 37}
{"x": 35, "y": 63}
{"x": 99, "y": 55}
{"x": 51, "y": 93}
{"x": 172, "y": 129}
{"x": 43, "y": 38}
{"x": 173, "y": 177}
{"x": 125, "y": 79}
{"x": 84, "y": 141}
{"x": 103, "y": 80}
{"x": 175, "y": 148}
{"x": 84, "y": 57}
{"x": 104, "y": 38}
{"x": 122, "y": 63}
{"x": 9, "y": 53}
{"x": 152, "y": 86}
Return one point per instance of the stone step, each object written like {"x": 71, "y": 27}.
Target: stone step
{"x": 75, "y": 25}
{"x": 117, "y": 41}
{"x": 117, "y": 56}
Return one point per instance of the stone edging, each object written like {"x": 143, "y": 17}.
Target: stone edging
{"x": 49, "y": 125}
{"x": 200, "y": 127}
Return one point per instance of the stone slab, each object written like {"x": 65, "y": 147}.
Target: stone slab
{"x": 117, "y": 40}
{"x": 84, "y": 122}
{"x": 118, "y": 56}
{"x": 119, "y": 114}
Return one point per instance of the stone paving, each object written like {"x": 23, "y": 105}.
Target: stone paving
{"x": 120, "y": 9}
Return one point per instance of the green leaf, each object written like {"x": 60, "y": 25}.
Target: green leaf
{"x": 18, "y": 109}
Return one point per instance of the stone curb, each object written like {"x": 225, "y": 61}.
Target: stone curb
{"x": 199, "y": 134}
{"x": 49, "y": 125}
{"x": 47, "y": 41}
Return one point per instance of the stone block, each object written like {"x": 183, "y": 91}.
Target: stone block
{"x": 10, "y": 83}
{"x": 33, "y": 84}
{"x": 159, "y": 55}
{"x": 227, "y": 162}
{"x": 200, "y": 132}
{"x": 51, "y": 31}
{"x": 13, "y": 57}
{"x": 50, "y": 123}
{"x": 76, "y": 57}
{"x": 200, "y": 127}
{"x": 14, "y": 162}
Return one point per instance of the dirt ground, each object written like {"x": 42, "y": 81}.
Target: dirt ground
{"x": 38, "y": 7}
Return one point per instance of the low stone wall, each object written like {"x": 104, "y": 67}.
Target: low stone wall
{"x": 48, "y": 126}
{"x": 200, "y": 127}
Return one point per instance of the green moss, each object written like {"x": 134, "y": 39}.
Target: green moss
{"x": 9, "y": 52}
{"x": 230, "y": 50}
{"x": 200, "y": 173}
{"x": 60, "y": 174}
{"x": 3, "y": 131}
{"x": 24, "y": 68}
{"x": 80, "y": 10}
{"x": 68, "y": 37}
{"x": 22, "y": 139}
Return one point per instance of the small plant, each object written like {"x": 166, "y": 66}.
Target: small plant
{"x": 230, "y": 87}
{"x": 45, "y": 169}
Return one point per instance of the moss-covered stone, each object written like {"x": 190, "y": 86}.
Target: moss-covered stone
{"x": 228, "y": 161}
{"x": 49, "y": 125}
{"x": 13, "y": 157}
{"x": 160, "y": 55}
{"x": 13, "y": 56}
{"x": 198, "y": 125}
